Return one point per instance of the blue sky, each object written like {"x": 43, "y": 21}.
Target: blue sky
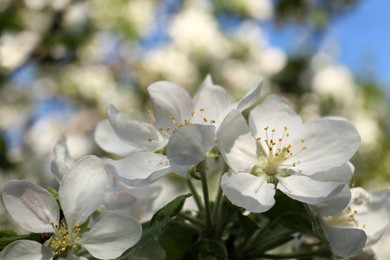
{"x": 363, "y": 37}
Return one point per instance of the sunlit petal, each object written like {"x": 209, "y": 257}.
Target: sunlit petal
{"x": 31, "y": 206}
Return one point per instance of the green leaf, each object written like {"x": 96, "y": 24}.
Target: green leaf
{"x": 177, "y": 239}
{"x": 8, "y": 236}
{"x": 159, "y": 220}
{"x": 316, "y": 226}
{"x": 290, "y": 213}
{"x": 206, "y": 249}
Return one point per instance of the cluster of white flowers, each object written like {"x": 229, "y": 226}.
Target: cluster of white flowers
{"x": 274, "y": 151}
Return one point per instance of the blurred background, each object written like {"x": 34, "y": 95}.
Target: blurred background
{"x": 63, "y": 61}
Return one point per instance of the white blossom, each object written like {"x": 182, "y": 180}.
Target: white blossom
{"x": 278, "y": 151}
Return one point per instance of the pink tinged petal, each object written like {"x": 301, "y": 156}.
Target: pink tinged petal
{"x": 62, "y": 160}
{"x": 141, "y": 168}
{"x": 305, "y": 189}
{"x": 250, "y": 98}
{"x": 344, "y": 242}
{"x": 108, "y": 140}
{"x": 330, "y": 143}
{"x": 189, "y": 145}
{"x": 333, "y": 205}
{"x": 118, "y": 200}
{"x": 170, "y": 103}
{"x": 245, "y": 190}
{"x": 374, "y": 217}
{"x": 142, "y": 136}
{"x": 273, "y": 113}
{"x": 31, "y": 206}
{"x": 210, "y": 103}
{"x": 236, "y": 143}
{"x": 82, "y": 190}
{"x": 111, "y": 236}
{"x": 26, "y": 250}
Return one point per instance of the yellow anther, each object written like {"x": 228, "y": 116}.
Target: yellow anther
{"x": 266, "y": 128}
{"x": 202, "y": 110}
{"x": 258, "y": 138}
{"x": 204, "y": 119}
{"x": 172, "y": 118}
{"x": 150, "y": 139}
{"x": 167, "y": 129}
{"x": 160, "y": 129}
{"x": 285, "y": 128}
{"x": 294, "y": 164}
{"x": 212, "y": 121}
{"x": 273, "y": 130}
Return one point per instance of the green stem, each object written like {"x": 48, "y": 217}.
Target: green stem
{"x": 202, "y": 170}
{"x": 195, "y": 195}
{"x": 194, "y": 221}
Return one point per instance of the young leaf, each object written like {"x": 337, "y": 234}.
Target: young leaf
{"x": 159, "y": 220}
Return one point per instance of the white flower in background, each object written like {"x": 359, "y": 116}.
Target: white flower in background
{"x": 81, "y": 192}
{"x": 204, "y": 37}
{"x": 336, "y": 82}
{"x": 361, "y": 223}
{"x": 185, "y": 126}
{"x": 278, "y": 151}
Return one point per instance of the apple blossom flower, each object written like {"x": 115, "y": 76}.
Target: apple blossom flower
{"x": 173, "y": 108}
{"x": 361, "y": 223}
{"x": 81, "y": 193}
{"x": 185, "y": 127}
{"x": 278, "y": 151}
{"x": 116, "y": 195}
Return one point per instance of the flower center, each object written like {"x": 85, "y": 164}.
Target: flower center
{"x": 348, "y": 217}
{"x": 63, "y": 238}
{"x": 195, "y": 116}
{"x": 276, "y": 150}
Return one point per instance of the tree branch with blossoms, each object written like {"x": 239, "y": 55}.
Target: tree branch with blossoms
{"x": 266, "y": 185}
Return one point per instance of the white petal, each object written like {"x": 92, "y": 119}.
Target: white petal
{"x": 342, "y": 174}
{"x": 330, "y": 143}
{"x": 108, "y": 140}
{"x": 26, "y": 250}
{"x": 111, "y": 236}
{"x": 374, "y": 217}
{"x": 62, "y": 160}
{"x": 143, "y": 136}
{"x": 82, "y": 190}
{"x": 274, "y": 113}
{"x": 71, "y": 256}
{"x": 245, "y": 190}
{"x": 345, "y": 242}
{"x": 209, "y": 103}
{"x": 31, "y": 206}
{"x": 305, "y": 189}
{"x": 189, "y": 145}
{"x": 170, "y": 102}
{"x": 236, "y": 143}
{"x": 118, "y": 200}
{"x": 250, "y": 98}
{"x": 334, "y": 204}
{"x": 141, "y": 168}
